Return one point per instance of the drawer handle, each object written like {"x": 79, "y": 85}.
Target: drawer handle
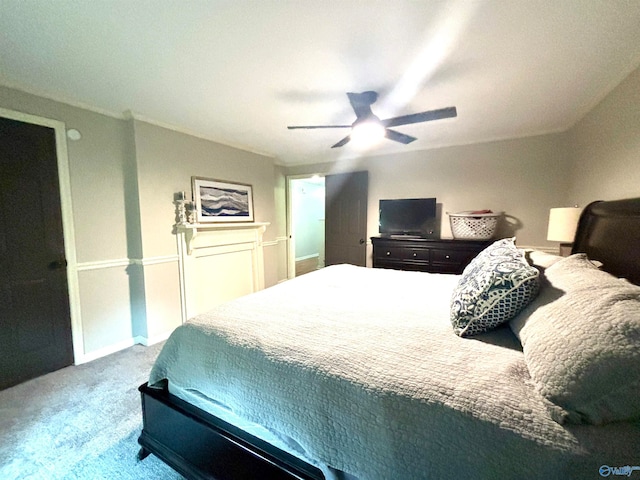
{"x": 415, "y": 255}
{"x": 388, "y": 253}
{"x": 447, "y": 256}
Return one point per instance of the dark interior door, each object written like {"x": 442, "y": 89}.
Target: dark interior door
{"x": 346, "y": 218}
{"x": 35, "y": 324}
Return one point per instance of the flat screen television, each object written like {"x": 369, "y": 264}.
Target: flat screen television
{"x": 408, "y": 216}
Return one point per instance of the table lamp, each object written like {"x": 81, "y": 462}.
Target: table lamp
{"x": 563, "y": 223}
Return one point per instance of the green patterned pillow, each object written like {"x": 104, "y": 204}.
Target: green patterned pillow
{"x": 493, "y": 289}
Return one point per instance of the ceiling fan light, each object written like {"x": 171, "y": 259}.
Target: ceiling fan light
{"x": 366, "y": 134}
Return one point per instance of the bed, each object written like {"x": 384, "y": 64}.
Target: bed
{"x": 356, "y": 373}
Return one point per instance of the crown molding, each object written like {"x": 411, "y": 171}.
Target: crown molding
{"x": 132, "y": 115}
{"x": 62, "y": 99}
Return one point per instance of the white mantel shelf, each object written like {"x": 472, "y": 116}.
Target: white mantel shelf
{"x": 191, "y": 230}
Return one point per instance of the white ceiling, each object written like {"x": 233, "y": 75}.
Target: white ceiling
{"x": 239, "y": 72}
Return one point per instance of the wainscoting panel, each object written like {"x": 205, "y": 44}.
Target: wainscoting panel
{"x": 220, "y": 262}
{"x": 105, "y": 304}
{"x": 162, "y": 299}
{"x": 275, "y": 261}
{"x": 219, "y": 277}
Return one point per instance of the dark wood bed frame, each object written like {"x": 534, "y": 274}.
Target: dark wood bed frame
{"x": 201, "y": 446}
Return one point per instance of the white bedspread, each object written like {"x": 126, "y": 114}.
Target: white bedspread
{"x": 362, "y": 369}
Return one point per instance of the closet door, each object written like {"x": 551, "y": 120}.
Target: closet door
{"x": 35, "y": 324}
{"x": 346, "y": 196}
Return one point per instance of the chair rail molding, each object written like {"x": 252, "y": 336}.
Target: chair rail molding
{"x": 218, "y": 262}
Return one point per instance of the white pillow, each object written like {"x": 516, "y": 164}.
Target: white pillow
{"x": 540, "y": 259}
{"x": 581, "y": 343}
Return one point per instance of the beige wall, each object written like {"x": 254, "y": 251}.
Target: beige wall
{"x": 523, "y": 178}
{"x": 276, "y": 271}
{"x": 166, "y": 160}
{"x": 123, "y": 174}
{"x": 605, "y": 147}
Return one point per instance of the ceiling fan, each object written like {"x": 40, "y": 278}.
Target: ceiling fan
{"x": 366, "y": 120}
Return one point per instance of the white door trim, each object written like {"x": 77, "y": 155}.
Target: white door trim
{"x": 291, "y": 244}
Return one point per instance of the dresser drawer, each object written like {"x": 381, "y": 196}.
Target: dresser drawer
{"x": 415, "y": 254}
{"x": 451, "y": 256}
{"x": 387, "y": 252}
{"x": 401, "y": 253}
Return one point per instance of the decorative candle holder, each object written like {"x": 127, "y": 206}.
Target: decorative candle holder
{"x": 181, "y": 213}
{"x": 191, "y": 212}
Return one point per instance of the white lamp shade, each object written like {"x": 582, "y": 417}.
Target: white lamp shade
{"x": 563, "y": 223}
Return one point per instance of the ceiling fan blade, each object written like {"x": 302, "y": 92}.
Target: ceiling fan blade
{"x": 361, "y": 103}
{"x": 398, "y": 137}
{"x": 342, "y": 142}
{"x": 307, "y": 127}
{"x": 421, "y": 117}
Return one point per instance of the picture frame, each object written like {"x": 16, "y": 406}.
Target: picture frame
{"x": 222, "y": 201}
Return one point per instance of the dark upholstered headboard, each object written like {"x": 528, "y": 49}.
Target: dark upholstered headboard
{"x": 610, "y": 233}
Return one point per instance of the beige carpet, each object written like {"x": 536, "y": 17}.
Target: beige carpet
{"x": 81, "y": 422}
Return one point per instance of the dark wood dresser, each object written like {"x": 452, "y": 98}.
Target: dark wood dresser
{"x": 425, "y": 255}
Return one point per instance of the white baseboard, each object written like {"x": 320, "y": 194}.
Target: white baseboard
{"x": 103, "y": 352}
{"x": 307, "y": 257}
{"x": 116, "y": 347}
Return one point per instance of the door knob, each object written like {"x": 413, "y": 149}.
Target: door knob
{"x": 362, "y": 241}
{"x": 57, "y": 264}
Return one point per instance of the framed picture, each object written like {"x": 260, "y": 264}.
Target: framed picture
{"x": 220, "y": 201}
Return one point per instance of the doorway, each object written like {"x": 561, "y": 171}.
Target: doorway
{"x": 306, "y": 224}
{"x": 37, "y": 334}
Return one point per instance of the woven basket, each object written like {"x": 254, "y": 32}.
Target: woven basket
{"x": 470, "y": 226}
